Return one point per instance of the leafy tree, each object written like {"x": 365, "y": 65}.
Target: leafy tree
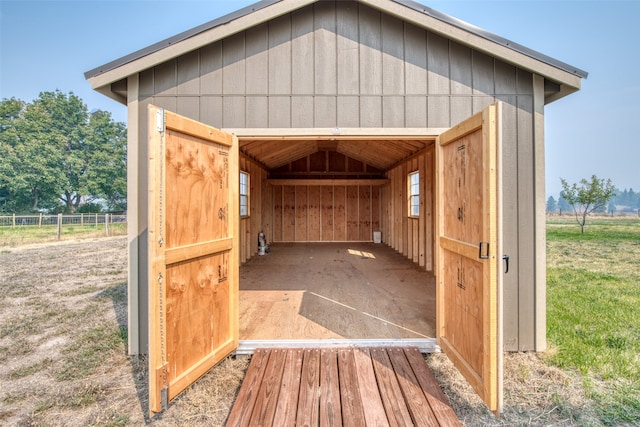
{"x": 55, "y": 151}
{"x": 612, "y": 208}
{"x": 29, "y": 167}
{"x": 107, "y": 145}
{"x": 587, "y": 197}
{"x": 552, "y": 206}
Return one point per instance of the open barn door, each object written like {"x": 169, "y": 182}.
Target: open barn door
{"x": 193, "y": 243}
{"x": 469, "y": 248}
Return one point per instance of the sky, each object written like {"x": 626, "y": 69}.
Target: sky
{"x": 49, "y": 44}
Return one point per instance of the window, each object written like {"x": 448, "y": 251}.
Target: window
{"x": 414, "y": 194}
{"x": 244, "y": 194}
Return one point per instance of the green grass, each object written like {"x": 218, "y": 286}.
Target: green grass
{"x": 10, "y": 236}
{"x": 593, "y": 309}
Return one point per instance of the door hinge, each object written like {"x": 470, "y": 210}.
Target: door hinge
{"x": 160, "y": 120}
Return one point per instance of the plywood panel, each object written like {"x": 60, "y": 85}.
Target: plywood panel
{"x": 415, "y": 40}
{"x": 340, "y": 213}
{"x": 314, "y": 228}
{"x": 347, "y": 46}
{"x": 279, "y": 111}
{"x": 325, "y": 111}
{"x": 348, "y": 111}
{"x": 393, "y": 49}
{"x": 280, "y": 56}
{"x": 416, "y": 111}
{"x": 211, "y": 110}
{"x": 438, "y": 111}
{"x": 370, "y": 52}
{"x": 461, "y": 69}
{"x": 364, "y": 214}
{"x": 393, "y": 111}
{"x": 370, "y": 111}
{"x": 234, "y": 71}
{"x": 353, "y": 218}
{"x": 325, "y": 48}
{"x": 375, "y": 208}
{"x": 483, "y": 74}
{"x": 188, "y": 74}
{"x": 302, "y": 55}
{"x": 326, "y": 213}
{"x": 278, "y": 213}
{"x": 302, "y": 111}
{"x": 289, "y": 213}
{"x": 165, "y": 78}
{"x": 301, "y": 212}
{"x": 438, "y": 64}
{"x": 234, "y": 113}
{"x": 257, "y": 110}
{"x": 211, "y": 69}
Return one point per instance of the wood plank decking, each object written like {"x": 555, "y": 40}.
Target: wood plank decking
{"x": 380, "y": 386}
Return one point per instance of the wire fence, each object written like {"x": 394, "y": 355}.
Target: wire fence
{"x": 43, "y": 220}
{"x": 36, "y": 225}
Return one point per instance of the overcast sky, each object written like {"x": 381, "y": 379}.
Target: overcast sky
{"x": 48, "y": 45}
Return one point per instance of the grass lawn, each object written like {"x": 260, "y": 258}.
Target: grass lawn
{"x": 593, "y": 309}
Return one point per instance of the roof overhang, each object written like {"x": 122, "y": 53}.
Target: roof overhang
{"x": 104, "y": 78}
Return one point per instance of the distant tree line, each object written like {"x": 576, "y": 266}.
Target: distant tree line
{"x": 56, "y": 156}
{"x": 624, "y": 201}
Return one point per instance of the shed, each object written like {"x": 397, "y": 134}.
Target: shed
{"x": 347, "y": 119}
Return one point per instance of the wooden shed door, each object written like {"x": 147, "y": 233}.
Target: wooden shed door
{"x": 468, "y": 252}
{"x": 193, "y": 241}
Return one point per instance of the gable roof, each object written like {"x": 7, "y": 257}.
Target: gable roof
{"x": 567, "y": 76}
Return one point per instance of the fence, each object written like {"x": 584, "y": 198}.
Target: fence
{"x": 61, "y": 220}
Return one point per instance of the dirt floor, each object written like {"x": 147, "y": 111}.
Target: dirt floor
{"x": 63, "y": 361}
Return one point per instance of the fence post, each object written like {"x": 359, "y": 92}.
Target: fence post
{"x": 81, "y": 219}
{"x": 106, "y": 224}
{"x": 13, "y": 221}
{"x": 96, "y": 220}
{"x": 59, "y": 225}
{"x": 40, "y": 220}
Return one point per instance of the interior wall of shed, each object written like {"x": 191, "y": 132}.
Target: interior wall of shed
{"x": 339, "y": 212}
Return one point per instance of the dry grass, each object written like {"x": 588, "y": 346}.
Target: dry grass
{"x": 63, "y": 354}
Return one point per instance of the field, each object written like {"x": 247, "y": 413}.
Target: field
{"x": 63, "y": 340}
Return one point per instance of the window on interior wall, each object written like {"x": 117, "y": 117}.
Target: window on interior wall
{"x": 414, "y": 194}
{"x": 244, "y": 194}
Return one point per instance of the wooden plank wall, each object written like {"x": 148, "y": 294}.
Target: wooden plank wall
{"x": 324, "y": 213}
{"x": 412, "y": 237}
{"x": 259, "y": 202}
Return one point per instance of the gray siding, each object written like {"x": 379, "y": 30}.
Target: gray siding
{"x": 340, "y": 64}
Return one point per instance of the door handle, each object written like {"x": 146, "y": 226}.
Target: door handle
{"x": 506, "y": 259}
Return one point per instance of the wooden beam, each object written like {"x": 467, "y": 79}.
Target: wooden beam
{"x": 327, "y": 181}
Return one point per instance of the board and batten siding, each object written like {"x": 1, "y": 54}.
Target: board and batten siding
{"x": 342, "y": 64}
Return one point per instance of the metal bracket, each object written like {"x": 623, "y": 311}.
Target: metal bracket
{"x": 160, "y": 120}
{"x": 480, "y": 253}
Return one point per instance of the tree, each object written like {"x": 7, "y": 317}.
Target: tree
{"x": 563, "y": 205}
{"x": 587, "y": 197}
{"x": 107, "y": 145}
{"x": 551, "y": 205}
{"x": 55, "y": 151}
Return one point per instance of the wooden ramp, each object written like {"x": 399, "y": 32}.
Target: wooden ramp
{"x": 379, "y": 386}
